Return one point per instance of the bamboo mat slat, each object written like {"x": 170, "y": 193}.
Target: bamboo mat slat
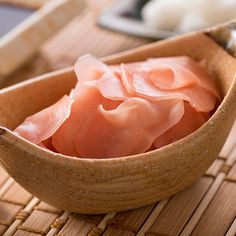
{"x": 118, "y": 232}
{"x": 100, "y": 42}
{"x": 39, "y": 222}
{"x": 43, "y": 206}
{"x": 220, "y": 213}
{"x": 17, "y": 194}
{"x": 25, "y": 233}
{"x": 232, "y": 229}
{"x": 232, "y": 174}
{"x": 130, "y": 220}
{"x": 21, "y": 216}
{"x": 6, "y": 185}
{"x": 2, "y": 229}
{"x": 3, "y": 176}
{"x": 171, "y": 223}
{"x": 229, "y": 144}
{"x": 75, "y": 227}
{"x": 207, "y": 208}
{"x": 215, "y": 168}
{"x": 8, "y": 212}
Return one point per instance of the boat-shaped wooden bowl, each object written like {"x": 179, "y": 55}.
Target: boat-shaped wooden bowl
{"x": 106, "y": 185}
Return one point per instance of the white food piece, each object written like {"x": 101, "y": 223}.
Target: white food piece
{"x": 191, "y": 21}
{"x": 164, "y": 14}
{"x": 186, "y": 15}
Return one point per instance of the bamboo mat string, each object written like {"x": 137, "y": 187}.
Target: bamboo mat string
{"x": 96, "y": 231}
{"x": 153, "y": 216}
{"x": 20, "y": 218}
{"x": 58, "y": 223}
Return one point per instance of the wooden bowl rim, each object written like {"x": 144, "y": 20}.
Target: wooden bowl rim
{"x": 159, "y": 153}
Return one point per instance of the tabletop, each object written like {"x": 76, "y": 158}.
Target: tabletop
{"x": 208, "y": 207}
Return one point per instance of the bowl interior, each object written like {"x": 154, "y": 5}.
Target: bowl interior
{"x": 19, "y": 101}
{"x": 109, "y": 185}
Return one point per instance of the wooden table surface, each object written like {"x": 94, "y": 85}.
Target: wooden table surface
{"x": 207, "y": 208}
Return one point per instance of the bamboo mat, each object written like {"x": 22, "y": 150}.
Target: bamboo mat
{"x": 207, "y": 208}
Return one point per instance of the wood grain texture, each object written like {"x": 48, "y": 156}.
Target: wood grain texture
{"x": 8, "y": 212}
{"x": 105, "y": 44}
{"x": 25, "y": 233}
{"x": 232, "y": 174}
{"x": 17, "y": 194}
{"x": 220, "y": 214}
{"x": 75, "y": 227}
{"x": 21, "y": 217}
{"x": 5, "y": 186}
{"x": 232, "y": 230}
{"x": 43, "y": 206}
{"x": 2, "y": 229}
{"x": 229, "y": 144}
{"x": 172, "y": 223}
{"x": 39, "y": 222}
{"x": 215, "y": 168}
{"x": 130, "y": 220}
{"x": 3, "y": 176}
{"x": 118, "y": 232}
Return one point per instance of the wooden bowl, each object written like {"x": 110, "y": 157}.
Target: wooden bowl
{"x": 107, "y": 185}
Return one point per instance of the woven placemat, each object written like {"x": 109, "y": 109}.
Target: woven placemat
{"x": 207, "y": 208}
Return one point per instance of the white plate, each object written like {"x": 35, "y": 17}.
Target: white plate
{"x": 114, "y": 18}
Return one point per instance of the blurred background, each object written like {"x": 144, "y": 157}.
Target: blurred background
{"x": 104, "y": 27}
